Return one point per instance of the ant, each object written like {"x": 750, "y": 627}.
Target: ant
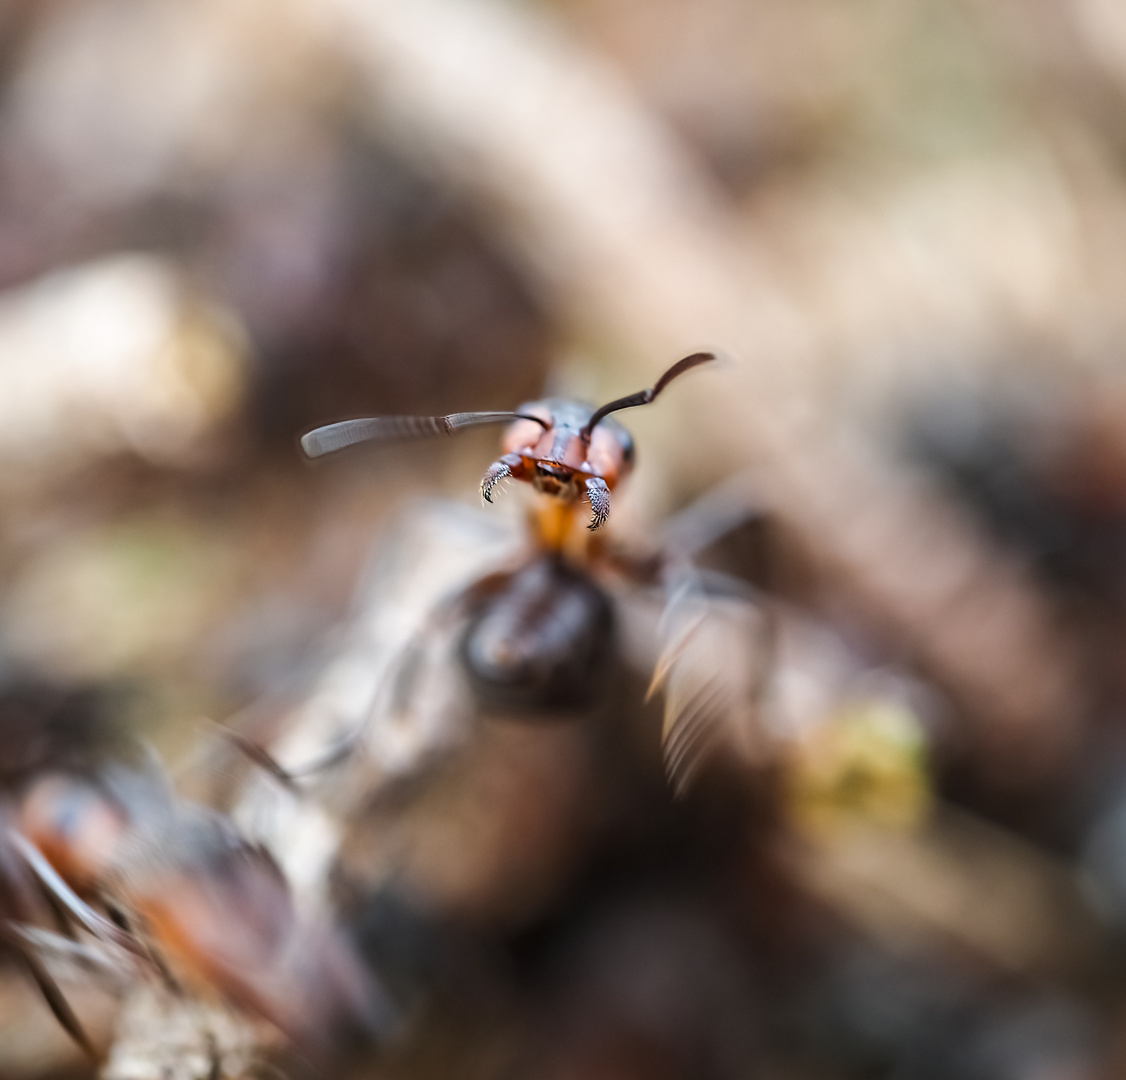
{"x": 537, "y": 637}
{"x": 170, "y": 888}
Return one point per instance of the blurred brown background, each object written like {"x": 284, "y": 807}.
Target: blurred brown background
{"x": 904, "y": 225}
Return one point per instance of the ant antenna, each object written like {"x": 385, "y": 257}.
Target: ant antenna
{"x": 333, "y": 437}
{"x": 644, "y": 397}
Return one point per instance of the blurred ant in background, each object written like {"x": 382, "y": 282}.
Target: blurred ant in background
{"x": 170, "y": 889}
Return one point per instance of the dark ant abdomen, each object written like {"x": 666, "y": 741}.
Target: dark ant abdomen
{"x": 542, "y": 641}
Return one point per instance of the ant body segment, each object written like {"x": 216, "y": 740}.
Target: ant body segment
{"x": 185, "y": 896}
{"x": 537, "y": 637}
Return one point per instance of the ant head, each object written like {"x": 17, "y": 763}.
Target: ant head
{"x": 77, "y": 826}
{"x": 565, "y": 449}
{"x": 554, "y": 455}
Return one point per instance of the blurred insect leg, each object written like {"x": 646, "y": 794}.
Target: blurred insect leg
{"x": 599, "y": 495}
{"x": 257, "y": 755}
{"x": 392, "y": 697}
{"x": 670, "y": 653}
{"x": 215, "y": 1060}
{"x": 717, "y": 584}
{"x": 56, "y": 910}
{"x": 76, "y": 908}
{"x": 52, "y": 994}
{"x": 509, "y": 465}
{"x": 260, "y": 756}
{"x": 121, "y": 920}
{"x": 341, "y": 750}
{"x": 717, "y": 661}
{"x": 117, "y": 916}
{"x": 690, "y": 736}
{"x": 444, "y": 616}
{"x": 730, "y": 505}
{"x": 48, "y": 943}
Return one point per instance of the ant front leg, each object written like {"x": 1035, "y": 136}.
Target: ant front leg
{"x": 71, "y": 904}
{"x": 599, "y": 495}
{"x": 509, "y": 465}
{"x": 55, "y": 999}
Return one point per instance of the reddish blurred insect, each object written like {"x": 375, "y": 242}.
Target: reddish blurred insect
{"x": 169, "y": 889}
{"x": 565, "y": 449}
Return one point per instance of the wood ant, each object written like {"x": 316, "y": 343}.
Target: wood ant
{"x": 169, "y": 888}
{"x": 536, "y": 632}
{"x": 536, "y": 636}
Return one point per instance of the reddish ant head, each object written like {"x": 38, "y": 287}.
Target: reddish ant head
{"x": 556, "y": 456}
{"x": 564, "y": 448}
{"x": 76, "y": 825}
{"x": 559, "y": 457}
